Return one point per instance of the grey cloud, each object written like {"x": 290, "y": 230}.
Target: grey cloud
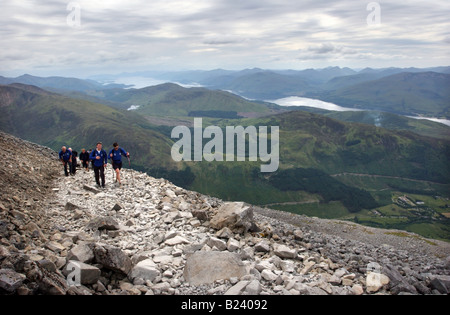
{"x": 223, "y": 33}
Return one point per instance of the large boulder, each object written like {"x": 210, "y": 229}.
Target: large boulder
{"x": 235, "y": 215}
{"x": 146, "y": 270}
{"x": 10, "y": 280}
{"x": 86, "y": 274}
{"x": 103, "y": 223}
{"x": 112, "y": 258}
{"x": 206, "y": 267}
{"x": 82, "y": 252}
{"x": 283, "y": 251}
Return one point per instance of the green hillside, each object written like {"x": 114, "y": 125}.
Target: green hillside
{"x": 334, "y": 169}
{"x": 53, "y": 120}
{"x": 395, "y": 122}
{"x": 173, "y": 100}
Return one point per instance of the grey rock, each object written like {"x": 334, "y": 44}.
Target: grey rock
{"x": 439, "y": 285}
{"x": 54, "y": 246}
{"x": 70, "y": 206}
{"x": 145, "y": 270}
{"x": 224, "y": 233}
{"x": 218, "y": 243}
{"x": 201, "y": 214}
{"x": 403, "y": 287}
{"x": 237, "y": 289}
{"x": 298, "y": 235}
{"x": 268, "y": 275}
{"x": 233, "y": 245}
{"x": 253, "y": 288}
{"x": 176, "y": 241}
{"x": 112, "y": 258}
{"x": 82, "y": 253}
{"x": 207, "y": 267}
{"x": 393, "y": 274}
{"x": 91, "y": 189}
{"x": 235, "y": 215}
{"x": 263, "y": 246}
{"x": 88, "y": 274}
{"x": 10, "y": 280}
{"x": 283, "y": 251}
{"x": 103, "y": 223}
{"x": 117, "y": 207}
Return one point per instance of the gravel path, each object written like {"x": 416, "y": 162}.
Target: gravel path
{"x": 400, "y": 240}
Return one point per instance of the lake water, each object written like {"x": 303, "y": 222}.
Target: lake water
{"x": 308, "y": 102}
{"x": 442, "y": 121}
{"x": 142, "y": 82}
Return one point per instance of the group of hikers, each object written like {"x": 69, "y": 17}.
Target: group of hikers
{"x": 99, "y": 159}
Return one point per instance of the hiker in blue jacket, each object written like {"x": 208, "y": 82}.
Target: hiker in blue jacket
{"x": 116, "y": 158}
{"x": 100, "y": 160}
{"x": 65, "y": 156}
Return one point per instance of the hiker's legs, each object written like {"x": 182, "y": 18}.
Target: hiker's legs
{"x": 74, "y": 166}
{"x": 102, "y": 175}
{"x": 65, "y": 169}
{"x": 97, "y": 174}
{"x": 117, "y": 167}
{"x": 118, "y": 175}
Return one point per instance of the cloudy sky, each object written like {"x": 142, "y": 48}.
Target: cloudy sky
{"x": 86, "y": 37}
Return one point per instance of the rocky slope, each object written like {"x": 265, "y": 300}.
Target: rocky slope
{"x": 62, "y": 235}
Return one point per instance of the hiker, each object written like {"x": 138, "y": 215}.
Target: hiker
{"x": 84, "y": 158}
{"x": 100, "y": 160}
{"x": 65, "y": 157}
{"x": 74, "y": 161}
{"x": 116, "y": 158}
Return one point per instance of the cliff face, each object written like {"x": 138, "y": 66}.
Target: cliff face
{"x": 63, "y": 235}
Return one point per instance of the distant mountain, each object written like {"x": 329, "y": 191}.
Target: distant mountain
{"x": 369, "y": 74}
{"x": 59, "y": 83}
{"x": 425, "y": 93}
{"x": 262, "y": 85}
{"x": 173, "y": 100}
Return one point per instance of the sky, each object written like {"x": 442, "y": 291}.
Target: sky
{"x": 86, "y": 37}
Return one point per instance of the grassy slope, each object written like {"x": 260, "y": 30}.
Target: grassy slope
{"x": 395, "y": 122}
{"x": 314, "y": 141}
{"x": 173, "y": 100}
{"x": 53, "y": 120}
